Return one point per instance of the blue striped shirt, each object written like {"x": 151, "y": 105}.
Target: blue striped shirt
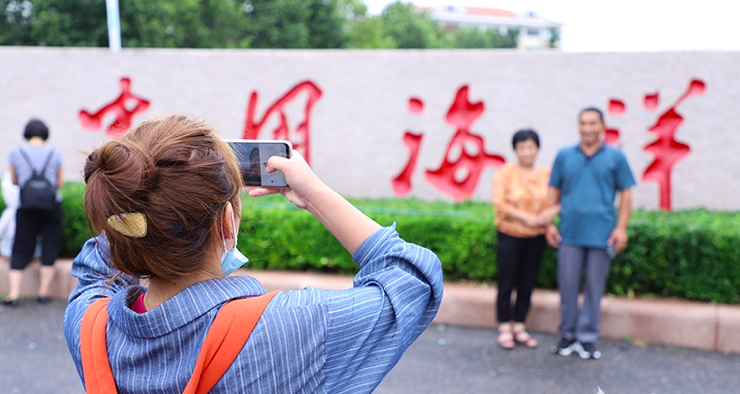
{"x": 307, "y": 341}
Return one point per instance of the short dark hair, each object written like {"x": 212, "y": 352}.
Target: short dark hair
{"x": 523, "y": 135}
{"x": 592, "y": 109}
{"x": 36, "y": 128}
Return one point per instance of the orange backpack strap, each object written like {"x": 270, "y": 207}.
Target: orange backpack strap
{"x": 93, "y": 350}
{"x": 225, "y": 339}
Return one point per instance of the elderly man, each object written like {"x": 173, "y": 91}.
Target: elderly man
{"x": 584, "y": 181}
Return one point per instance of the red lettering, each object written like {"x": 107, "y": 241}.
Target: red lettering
{"x": 402, "y": 183}
{"x": 458, "y": 177}
{"x": 301, "y": 136}
{"x": 666, "y": 149}
{"x": 611, "y": 135}
{"x": 119, "y": 108}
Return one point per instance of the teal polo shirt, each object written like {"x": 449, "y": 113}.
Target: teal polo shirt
{"x": 588, "y": 186}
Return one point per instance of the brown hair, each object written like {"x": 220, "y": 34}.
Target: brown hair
{"x": 176, "y": 172}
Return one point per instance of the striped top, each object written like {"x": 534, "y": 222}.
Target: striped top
{"x": 307, "y": 341}
{"x": 38, "y": 155}
{"x": 524, "y": 190}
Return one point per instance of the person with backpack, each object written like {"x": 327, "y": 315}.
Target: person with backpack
{"x": 165, "y": 201}
{"x": 36, "y": 168}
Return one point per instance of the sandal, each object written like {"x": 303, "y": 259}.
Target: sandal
{"x": 523, "y": 337}
{"x": 11, "y": 303}
{"x": 506, "y": 338}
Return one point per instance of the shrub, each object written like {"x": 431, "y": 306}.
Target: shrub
{"x": 75, "y": 230}
{"x": 685, "y": 254}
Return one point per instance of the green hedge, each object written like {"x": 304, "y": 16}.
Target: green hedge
{"x": 685, "y": 254}
{"x": 75, "y": 230}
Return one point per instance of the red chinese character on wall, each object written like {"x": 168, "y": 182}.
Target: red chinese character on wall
{"x": 611, "y": 135}
{"x": 666, "y": 149}
{"x": 402, "y": 183}
{"x": 458, "y": 174}
{"x": 301, "y": 136}
{"x": 119, "y": 108}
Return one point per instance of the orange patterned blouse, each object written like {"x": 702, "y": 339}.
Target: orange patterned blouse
{"x": 524, "y": 190}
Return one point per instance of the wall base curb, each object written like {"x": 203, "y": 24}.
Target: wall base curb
{"x": 661, "y": 321}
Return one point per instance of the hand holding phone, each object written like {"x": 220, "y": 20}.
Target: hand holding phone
{"x": 305, "y": 187}
{"x": 253, "y": 155}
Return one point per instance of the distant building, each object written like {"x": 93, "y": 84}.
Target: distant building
{"x": 535, "y": 32}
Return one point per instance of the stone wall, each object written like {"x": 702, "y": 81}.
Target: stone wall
{"x": 355, "y": 107}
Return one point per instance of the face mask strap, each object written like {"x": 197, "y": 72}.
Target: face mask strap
{"x": 223, "y": 225}
{"x": 232, "y": 258}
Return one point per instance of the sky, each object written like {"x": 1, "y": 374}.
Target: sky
{"x": 623, "y": 25}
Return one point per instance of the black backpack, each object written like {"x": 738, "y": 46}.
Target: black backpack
{"x": 38, "y": 192}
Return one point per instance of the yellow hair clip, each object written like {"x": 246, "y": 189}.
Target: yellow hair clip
{"x": 129, "y": 224}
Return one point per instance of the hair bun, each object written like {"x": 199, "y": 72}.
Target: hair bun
{"x": 119, "y": 174}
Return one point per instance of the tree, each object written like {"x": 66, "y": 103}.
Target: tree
{"x": 554, "y": 37}
{"x": 363, "y": 32}
{"x": 53, "y": 23}
{"x": 235, "y": 24}
{"x": 509, "y": 40}
{"x": 185, "y": 23}
{"x": 474, "y": 38}
{"x": 326, "y": 24}
{"x": 411, "y": 29}
{"x": 369, "y": 34}
{"x": 401, "y": 26}
{"x": 278, "y": 24}
{"x": 177, "y": 23}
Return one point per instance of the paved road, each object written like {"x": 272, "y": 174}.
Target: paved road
{"x": 445, "y": 360}
{"x": 33, "y": 353}
{"x": 449, "y": 359}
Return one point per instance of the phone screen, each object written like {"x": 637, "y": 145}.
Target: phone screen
{"x": 253, "y": 155}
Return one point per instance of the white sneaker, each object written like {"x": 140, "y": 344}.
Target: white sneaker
{"x": 564, "y": 348}
{"x": 587, "y": 350}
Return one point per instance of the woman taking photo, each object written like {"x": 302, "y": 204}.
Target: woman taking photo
{"x": 165, "y": 201}
{"x": 519, "y": 197}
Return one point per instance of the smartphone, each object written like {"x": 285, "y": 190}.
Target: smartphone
{"x": 610, "y": 251}
{"x": 253, "y": 155}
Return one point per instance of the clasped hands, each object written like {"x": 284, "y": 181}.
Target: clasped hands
{"x": 541, "y": 219}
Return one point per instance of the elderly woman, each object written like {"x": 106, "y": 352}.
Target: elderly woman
{"x": 519, "y": 199}
{"x": 165, "y": 199}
